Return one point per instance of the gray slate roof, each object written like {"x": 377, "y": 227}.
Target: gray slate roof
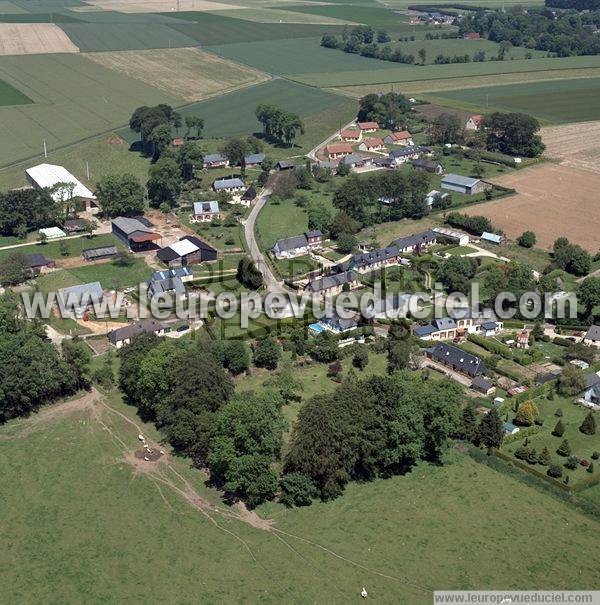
{"x": 593, "y": 333}
{"x": 103, "y": 251}
{"x": 425, "y": 237}
{"x": 331, "y": 281}
{"x": 254, "y": 158}
{"x": 127, "y": 332}
{"x": 463, "y": 362}
{"x": 459, "y": 179}
{"x": 370, "y": 258}
{"x": 214, "y": 158}
{"x": 81, "y": 294}
{"x": 129, "y": 225}
{"x": 228, "y": 184}
{"x": 482, "y": 384}
{"x": 206, "y": 207}
{"x": 291, "y": 243}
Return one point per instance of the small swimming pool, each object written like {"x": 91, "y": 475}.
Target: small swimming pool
{"x": 316, "y": 328}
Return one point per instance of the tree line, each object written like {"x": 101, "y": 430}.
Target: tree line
{"x": 33, "y": 372}
{"x": 279, "y": 124}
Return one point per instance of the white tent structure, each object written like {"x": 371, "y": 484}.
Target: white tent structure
{"x": 48, "y": 176}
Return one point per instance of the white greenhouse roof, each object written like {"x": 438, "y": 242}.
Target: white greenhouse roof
{"x": 53, "y": 232}
{"x": 48, "y": 175}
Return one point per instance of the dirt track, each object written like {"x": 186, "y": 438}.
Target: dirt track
{"x": 34, "y": 38}
{"x": 553, "y": 201}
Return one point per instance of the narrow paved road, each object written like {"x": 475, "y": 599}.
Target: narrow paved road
{"x": 272, "y": 283}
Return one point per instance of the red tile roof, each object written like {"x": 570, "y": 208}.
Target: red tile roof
{"x": 337, "y": 148}
{"x": 350, "y": 134}
{"x": 368, "y": 125}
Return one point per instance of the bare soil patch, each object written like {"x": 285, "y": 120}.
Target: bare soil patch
{"x": 553, "y": 201}
{"x": 187, "y": 72}
{"x": 34, "y": 39}
{"x": 576, "y": 145}
{"x": 161, "y": 6}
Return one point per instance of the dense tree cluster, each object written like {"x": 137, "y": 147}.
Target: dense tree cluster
{"x": 571, "y": 257}
{"x": 120, "y": 195}
{"x": 473, "y": 224}
{"x": 513, "y": 134}
{"x": 248, "y": 274}
{"x": 278, "y": 123}
{"x": 23, "y": 210}
{"x": 375, "y": 427}
{"x": 564, "y": 34}
{"x": 359, "y": 197}
{"x": 446, "y": 128}
{"x": 154, "y": 125}
{"x": 389, "y": 110}
{"x": 33, "y": 371}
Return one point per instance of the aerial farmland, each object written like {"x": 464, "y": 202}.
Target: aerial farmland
{"x": 396, "y": 427}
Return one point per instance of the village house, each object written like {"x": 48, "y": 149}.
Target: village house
{"x": 339, "y": 325}
{"x": 351, "y": 136}
{"x": 592, "y": 337}
{"x": 62, "y": 185}
{"x": 461, "y": 321}
{"x": 464, "y": 184}
{"x": 368, "y": 126}
{"x": 171, "y": 281}
{"x": 38, "y": 262}
{"x": 401, "y": 156}
{"x": 444, "y": 328}
{"x": 136, "y": 233}
{"x": 372, "y": 261}
{"x": 483, "y": 385}
{"x": 332, "y": 285}
{"x": 336, "y": 151}
{"x": 248, "y": 196}
{"x": 79, "y": 298}
{"x": 189, "y": 250}
{"x": 417, "y": 242}
{"x": 355, "y": 160}
{"x": 591, "y": 395}
{"x": 458, "y": 360}
{"x": 428, "y": 166}
{"x": 122, "y": 336}
{"x": 372, "y": 144}
{"x": 394, "y": 306}
{"x": 298, "y": 245}
{"x": 403, "y": 138}
{"x": 215, "y": 160}
{"x": 229, "y": 185}
{"x": 99, "y": 253}
{"x": 472, "y": 36}
{"x": 285, "y": 165}
{"x": 254, "y": 160}
{"x": 510, "y": 429}
{"x": 205, "y": 212}
{"x": 474, "y": 122}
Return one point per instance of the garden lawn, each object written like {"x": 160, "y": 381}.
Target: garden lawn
{"x": 72, "y": 247}
{"x": 110, "y": 276}
{"x": 582, "y": 445}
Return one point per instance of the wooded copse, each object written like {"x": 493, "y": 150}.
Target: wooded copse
{"x": 278, "y": 123}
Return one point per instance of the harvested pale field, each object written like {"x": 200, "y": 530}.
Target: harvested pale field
{"x": 187, "y": 72}
{"x": 34, "y": 39}
{"x": 161, "y": 6}
{"x": 575, "y": 145}
{"x": 553, "y": 201}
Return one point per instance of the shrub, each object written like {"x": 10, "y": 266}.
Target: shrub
{"x": 297, "y": 490}
{"x": 595, "y": 455}
{"x": 572, "y": 462}
{"x": 590, "y": 468}
{"x": 559, "y": 429}
{"x": 527, "y": 413}
{"x": 588, "y": 426}
{"x": 554, "y": 470}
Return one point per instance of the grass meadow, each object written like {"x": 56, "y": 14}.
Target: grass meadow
{"x": 73, "y": 99}
{"x": 80, "y": 524}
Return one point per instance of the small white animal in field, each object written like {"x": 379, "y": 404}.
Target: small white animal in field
{"x": 363, "y": 593}
{"x": 141, "y": 437}
{"x": 146, "y": 459}
{"x": 162, "y": 452}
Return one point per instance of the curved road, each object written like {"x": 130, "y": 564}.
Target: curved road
{"x": 272, "y": 283}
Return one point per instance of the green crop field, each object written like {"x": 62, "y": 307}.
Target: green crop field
{"x": 416, "y": 73}
{"x": 216, "y": 29}
{"x": 73, "y": 98}
{"x": 233, "y": 113}
{"x": 80, "y": 524}
{"x": 297, "y": 56}
{"x": 9, "y": 95}
{"x": 552, "y": 102}
{"x": 90, "y": 37}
